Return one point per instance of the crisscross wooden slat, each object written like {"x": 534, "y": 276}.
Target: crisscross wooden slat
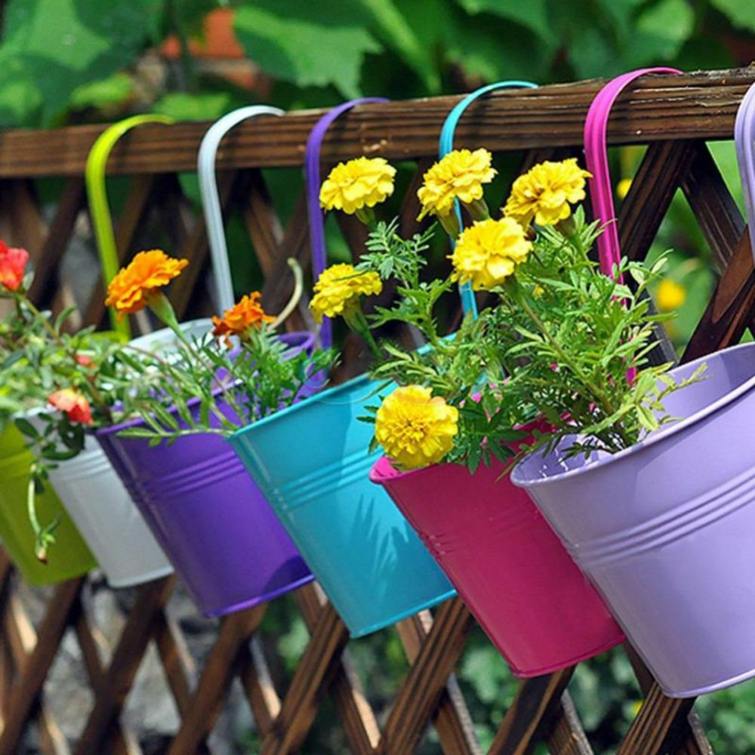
{"x": 673, "y": 115}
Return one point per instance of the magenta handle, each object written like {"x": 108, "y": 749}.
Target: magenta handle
{"x": 596, "y": 158}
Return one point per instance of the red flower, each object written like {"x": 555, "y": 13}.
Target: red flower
{"x": 84, "y": 360}
{"x": 12, "y": 266}
{"x": 73, "y": 405}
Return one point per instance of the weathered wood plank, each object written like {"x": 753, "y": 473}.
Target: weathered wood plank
{"x": 451, "y": 719}
{"x": 692, "y": 106}
{"x": 660, "y": 726}
{"x": 58, "y": 237}
{"x": 694, "y": 742}
{"x": 730, "y": 309}
{"x": 715, "y": 209}
{"x": 567, "y": 737}
{"x": 358, "y": 719}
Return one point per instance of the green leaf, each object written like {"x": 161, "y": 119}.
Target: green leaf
{"x": 26, "y": 428}
{"x": 395, "y": 31}
{"x": 307, "y": 43}
{"x": 740, "y": 12}
{"x": 478, "y": 50}
{"x": 533, "y": 14}
{"x": 660, "y": 32}
{"x": 202, "y": 106}
{"x": 52, "y": 47}
{"x": 112, "y": 90}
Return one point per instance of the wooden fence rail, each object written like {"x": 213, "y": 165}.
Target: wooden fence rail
{"x": 675, "y": 116}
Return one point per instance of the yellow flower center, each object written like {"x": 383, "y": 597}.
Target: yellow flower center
{"x": 670, "y": 295}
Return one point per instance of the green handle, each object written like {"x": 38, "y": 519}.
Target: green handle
{"x": 98, "y": 204}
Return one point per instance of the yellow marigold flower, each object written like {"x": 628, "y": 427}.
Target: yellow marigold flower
{"x": 415, "y": 428}
{"x": 352, "y": 186}
{"x": 133, "y": 286}
{"x": 459, "y": 175}
{"x": 670, "y": 295}
{"x": 339, "y": 287}
{"x": 546, "y": 192}
{"x": 488, "y": 251}
{"x": 245, "y": 314}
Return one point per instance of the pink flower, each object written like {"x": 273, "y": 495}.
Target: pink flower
{"x": 84, "y": 360}
{"x": 73, "y": 405}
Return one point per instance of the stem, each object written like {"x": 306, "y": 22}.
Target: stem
{"x": 356, "y": 320}
{"x": 41, "y": 536}
{"x": 31, "y": 508}
{"x": 597, "y": 394}
{"x": 97, "y": 398}
{"x": 295, "y": 297}
{"x": 478, "y": 209}
{"x": 177, "y": 377}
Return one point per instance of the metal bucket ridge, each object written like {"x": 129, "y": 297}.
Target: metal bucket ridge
{"x": 664, "y": 528}
{"x": 512, "y": 571}
{"x": 311, "y": 461}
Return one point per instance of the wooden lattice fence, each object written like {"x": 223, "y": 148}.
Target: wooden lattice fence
{"x": 674, "y": 116}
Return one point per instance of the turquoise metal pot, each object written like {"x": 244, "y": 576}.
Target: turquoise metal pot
{"x": 311, "y": 460}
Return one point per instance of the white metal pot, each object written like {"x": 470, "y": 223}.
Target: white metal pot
{"x": 107, "y": 518}
{"x": 101, "y": 507}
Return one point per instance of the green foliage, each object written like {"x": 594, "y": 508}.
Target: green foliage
{"x": 296, "y": 41}
{"x": 203, "y": 386}
{"x": 567, "y": 334}
{"x": 739, "y": 12}
{"x": 69, "y": 60}
{"x": 65, "y": 56}
{"x": 53, "y": 47}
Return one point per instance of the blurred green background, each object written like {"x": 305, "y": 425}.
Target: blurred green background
{"x": 75, "y": 61}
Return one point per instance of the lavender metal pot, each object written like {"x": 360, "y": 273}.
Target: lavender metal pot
{"x": 208, "y": 515}
{"x": 665, "y": 528}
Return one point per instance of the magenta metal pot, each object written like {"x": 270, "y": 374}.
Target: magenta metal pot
{"x": 512, "y": 571}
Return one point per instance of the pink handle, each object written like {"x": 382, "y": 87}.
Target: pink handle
{"x": 596, "y": 157}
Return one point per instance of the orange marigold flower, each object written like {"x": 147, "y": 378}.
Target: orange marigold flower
{"x": 247, "y": 313}
{"x": 134, "y": 285}
{"x": 12, "y": 266}
{"x": 73, "y": 405}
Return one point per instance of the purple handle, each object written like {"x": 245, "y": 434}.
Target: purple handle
{"x": 596, "y": 157}
{"x": 314, "y": 213}
{"x": 744, "y": 137}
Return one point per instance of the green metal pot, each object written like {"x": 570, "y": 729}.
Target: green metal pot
{"x": 69, "y": 557}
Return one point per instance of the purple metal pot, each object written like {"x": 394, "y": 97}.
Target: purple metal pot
{"x": 208, "y": 515}
{"x": 665, "y": 528}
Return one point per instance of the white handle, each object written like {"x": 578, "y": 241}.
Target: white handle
{"x": 208, "y": 188}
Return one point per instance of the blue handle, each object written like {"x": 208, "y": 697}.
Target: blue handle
{"x": 446, "y": 145}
